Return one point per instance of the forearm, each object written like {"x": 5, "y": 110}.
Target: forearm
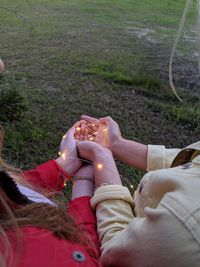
{"x": 116, "y": 201}
{"x": 131, "y": 153}
{"x": 82, "y": 188}
{"x": 105, "y": 170}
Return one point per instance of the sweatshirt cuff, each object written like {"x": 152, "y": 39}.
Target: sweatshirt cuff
{"x": 155, "y": 157}
{"x": 111, "y": 192}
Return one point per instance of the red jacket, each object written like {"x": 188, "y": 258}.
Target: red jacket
{"x": 40, "y": 246}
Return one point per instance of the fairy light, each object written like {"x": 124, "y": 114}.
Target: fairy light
{"x": 64, "y": 136}
{"x": 99, "y": 166}
{"x": 59, "y": 153}
{"x": 104, "y": 129}
{"x": 91, "y": 138}
{"x": 78, "y": 129}
{"x": 63, "y": 156}
{"x": 93, "y": 124}
{"x": 95, "y": 133}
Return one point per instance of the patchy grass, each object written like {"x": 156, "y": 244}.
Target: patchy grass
{"x": 65, "y": 58}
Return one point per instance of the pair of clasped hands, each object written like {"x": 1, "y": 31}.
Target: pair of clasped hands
{"x": 91, "y": 140}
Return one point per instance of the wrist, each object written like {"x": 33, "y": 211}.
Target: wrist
{"x": 82, "y": 188}
{"x": 116, "y": 146}
{"x": 70, "y": 166}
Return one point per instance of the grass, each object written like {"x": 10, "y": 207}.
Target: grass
{"x": 67, "y": 58}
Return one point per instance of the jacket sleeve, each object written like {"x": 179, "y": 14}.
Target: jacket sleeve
{"x": 48, "y": 175}
{"x": 159, "y": 157}
{"x": 135, "y": 241}
{"x": 84, "y": 216}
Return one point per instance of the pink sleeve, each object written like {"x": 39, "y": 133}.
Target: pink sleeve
{"x": 48, "y": 175}
{"x": 80, "y": 209}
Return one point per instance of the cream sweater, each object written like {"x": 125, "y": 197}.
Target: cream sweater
{"x": 166, "y": 231}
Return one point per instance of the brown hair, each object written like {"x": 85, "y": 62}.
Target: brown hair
{"x": 53, "y": 218}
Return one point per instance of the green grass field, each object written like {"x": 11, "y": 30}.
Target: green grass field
{"x": 65, "y": 58}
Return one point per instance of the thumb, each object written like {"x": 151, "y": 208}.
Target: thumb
{"x": 70, "y": 133}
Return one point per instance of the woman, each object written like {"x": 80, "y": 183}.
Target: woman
{"x": 164, "y": 228}
{"x": 36, "y": 232}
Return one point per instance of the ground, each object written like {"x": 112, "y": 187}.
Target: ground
{"x": 67, "y": 58}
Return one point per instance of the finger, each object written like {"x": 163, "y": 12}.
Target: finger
{"x": 77, "y": 124}
{"x": 90, "y": 137}
{"x": 85, "y": 136}
{"x": 83, "y": 122}
{"x": 89, "y": 119}
{"x": 107, "y": 121}
{"x": 70, "y": 133}
{"x": 82, "y": 132}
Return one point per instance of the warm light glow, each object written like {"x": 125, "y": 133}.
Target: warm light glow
{"x": 104, "y": 129}
{"x": 131, "y": 186}
{"x": 91, "y": 138}
{"x": 99, "y": 166}
{"x": 93, "y": 124}
{"x": 78, "y": 129}
{"x": 64, "y": 136}
{"x": 59, "y": 153}
{"x": 95, "y": 133}
{"x": 65, "y": 183}
{"x": 63, "y": 156}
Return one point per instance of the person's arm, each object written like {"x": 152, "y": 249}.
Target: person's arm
{"x": 131, "y": 153}
{"x": 52, "y": 174}
{"x": 138, "y": 155}
{"x": 79, "y": 207}
{"x": 48, "y": 175}
{"x": 84, "y": 216}
{"x": 128, "y": 241}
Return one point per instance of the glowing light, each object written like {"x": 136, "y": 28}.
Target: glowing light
{"x": 78, "y": 129}
{"x": 59, "y": 153}
{"x": 99, "y": 166}
{"x": 95, "y": 133}
{"x": 63, "y": 156}
{"x": 104, "y": 129}
{"x": 64, "y": 136}
{"x": 131, "y": 186}
{"x": 65, "y": 183}
{"x": 93, "y": 124}
{"x": 91, "y": 138}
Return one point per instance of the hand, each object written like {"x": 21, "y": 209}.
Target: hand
{"x": 91, "y": 150}
{"x": 104, "y": 165}
{"x": 68, "y": 159}
{"x": 104, "y": 131}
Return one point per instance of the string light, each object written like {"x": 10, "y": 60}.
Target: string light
{"x": 59, "y": 153}
{"x": 78, "y": 129}
{"x": 91, "y": 138}
{"x": 64, "y": 136}
{"x": 63, "y": 155}
{"x": 99, "y": 166}
{"x": 95, "y": 133}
